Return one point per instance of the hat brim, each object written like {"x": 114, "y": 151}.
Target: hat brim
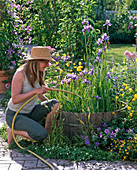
{"x": 40, "y": 58}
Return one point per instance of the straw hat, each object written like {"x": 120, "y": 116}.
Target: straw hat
{"x": 40, "y": 52}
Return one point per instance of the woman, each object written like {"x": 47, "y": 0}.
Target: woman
{"x": 27, "y": 81}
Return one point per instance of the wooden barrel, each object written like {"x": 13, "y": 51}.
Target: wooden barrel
{"x": 73, "y": 123}
{"x": 4, "y": 76}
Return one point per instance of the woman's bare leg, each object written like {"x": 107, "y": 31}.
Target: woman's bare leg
{"x": 16, "y": 132}
{"x": 54, "y": 112}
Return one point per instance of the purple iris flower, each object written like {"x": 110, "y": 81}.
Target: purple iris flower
{"x": 83, "y": 72}
{"x": 99, "y": 41}
{"x": 90, "y": 72}
{"x": 99, "y": 52}
{"x": 85, "y": 81}
{"x": 107, "y": 23}
{"x": 85, "y": 21}
{"x": 105, "y": 48}
{"x": 72, "y": 76}
{"x": 62, "y": 81}
{"x": 97, "y": 97}
{"x": 105, "y": 37}
{"x": 109, "y": 76}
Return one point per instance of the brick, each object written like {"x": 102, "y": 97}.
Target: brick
{"x": 41, "y": 164}
{"x": 30, "y": 164}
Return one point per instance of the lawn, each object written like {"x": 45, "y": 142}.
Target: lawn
{"x": 117, "y": 51}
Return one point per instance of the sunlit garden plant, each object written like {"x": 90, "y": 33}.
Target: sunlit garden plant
{"x": 90, "y": 78}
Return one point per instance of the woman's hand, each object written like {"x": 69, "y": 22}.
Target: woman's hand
{"x": 41, "y": 90}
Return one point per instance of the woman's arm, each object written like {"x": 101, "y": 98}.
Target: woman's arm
{"x": 17, "y": 84}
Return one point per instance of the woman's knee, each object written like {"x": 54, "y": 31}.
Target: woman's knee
{"x": 39, "y": 137}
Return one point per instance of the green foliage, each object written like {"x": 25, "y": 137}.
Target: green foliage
{"x": 111, "y": 4}
{"x": 60, "y": 151}
{"x": 55, "y": 23}
{"x": 10, "y": 49}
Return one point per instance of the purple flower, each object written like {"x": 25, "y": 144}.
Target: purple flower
{"x": 13, "y": 62}
{"x": 96, "y": 144}
{"x": 109, "y": 75}
{"x": 18, "y": 7}
{"x": 112, "y": 135}
{"x": 104, "y": 125}
{"x": 117, "y": 130}
{"x": 83, "y": 72}
{"x": 107, "y": 23}
{"x": 82, "y": 137}
{"x": 97, "y": 97}
{"x": 105, "y": 47}
{"x": 99, "y": 52}
{"x": 62, "y": 81}
{"x": 130, "y": 131}
{"x": 99, "y": 41}
{"x": 98, "y": 129}
{"x": 30, "y": 40}
{"x": 10, "y": 51}
{"x": 85, "y": 21}
{"x": 72, "y": 76}
{"x": 115, "y": 78}
{"x": 11, "y": 67}
{"x": 106, "y": 131}
{"x": 87, "y": 142}
{"x": 85, "y": 81}
{"x": 90, "y": 72}
{"x": 100, "y": 135}
{"x": 105, "y": 37}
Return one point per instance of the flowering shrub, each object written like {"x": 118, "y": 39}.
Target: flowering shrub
{"x": 126, "y": 149}
{"x": 11, "y": 50}
{"x": 86, "y": 77}
{"x": 133, "y": 21}
{"x": 115, "y": 136}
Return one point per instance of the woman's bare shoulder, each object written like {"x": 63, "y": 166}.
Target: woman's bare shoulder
{"x": 19, "y": 74}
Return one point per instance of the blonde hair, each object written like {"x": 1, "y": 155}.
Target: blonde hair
{"x": 32, "y": 68}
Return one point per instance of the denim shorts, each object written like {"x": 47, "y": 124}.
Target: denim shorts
{"x": 29, "y": 122}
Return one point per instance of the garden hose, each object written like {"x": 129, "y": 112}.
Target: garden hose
{"x": 14, "y": 122}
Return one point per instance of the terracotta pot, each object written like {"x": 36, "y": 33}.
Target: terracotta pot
{"x": 4, "y": 75}
{"x": 72, "y": 122}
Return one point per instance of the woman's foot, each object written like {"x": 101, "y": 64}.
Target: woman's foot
{"x": 9, "y": 133}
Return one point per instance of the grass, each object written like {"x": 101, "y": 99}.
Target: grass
{"x": 117, "y": 51}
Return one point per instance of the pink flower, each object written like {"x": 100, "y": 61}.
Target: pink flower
{"x": 135, "y": 17}
{"x": 8, "y": 85}
{"x": 51, "y": 49}
{"x": 127, "y": 53}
